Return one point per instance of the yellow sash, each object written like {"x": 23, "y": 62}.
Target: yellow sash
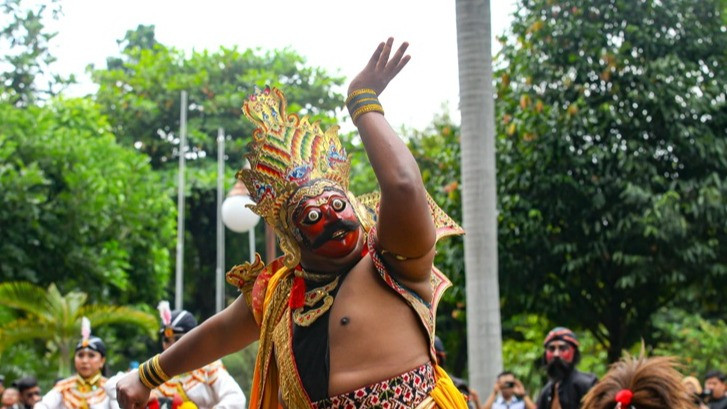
{"x": 444, "y": 395}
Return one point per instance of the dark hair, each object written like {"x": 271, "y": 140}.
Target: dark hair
{"x": 715, "y": 373}
{"x": 654, "y": 383}
{"x": 25, "y": 383}
{"x": 504, "y": 373}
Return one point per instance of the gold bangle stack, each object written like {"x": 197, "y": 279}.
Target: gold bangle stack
{"x": 151, "y": 373}
{"x": 362, "y": 101}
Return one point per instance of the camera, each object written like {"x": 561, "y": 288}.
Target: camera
{"x": 509, "y": 384}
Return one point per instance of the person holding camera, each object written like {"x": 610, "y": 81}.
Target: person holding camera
{"x": 508, "y": 393}
{"x": 715, "y": 388}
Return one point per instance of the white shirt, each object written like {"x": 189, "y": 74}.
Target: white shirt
{"x": 208, "y": 387}
{"x": 74, "y": 393}
{"x": 514, "y": 403}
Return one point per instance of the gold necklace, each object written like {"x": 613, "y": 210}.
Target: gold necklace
{"x": 317, "y": 277}
{"x": 305, "y": 317}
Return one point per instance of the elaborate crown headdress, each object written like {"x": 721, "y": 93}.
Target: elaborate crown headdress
{"x": 286, "y": 154}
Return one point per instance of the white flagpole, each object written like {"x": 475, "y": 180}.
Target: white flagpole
{"x": 180, "y": 203}
{"x": 220, "y": 271}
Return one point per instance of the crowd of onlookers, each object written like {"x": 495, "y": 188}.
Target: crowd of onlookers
{"x": 22, "y": 393}
{"x": 632, "y": 383}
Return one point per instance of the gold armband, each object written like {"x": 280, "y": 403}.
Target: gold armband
{"x": 362, "y": 101}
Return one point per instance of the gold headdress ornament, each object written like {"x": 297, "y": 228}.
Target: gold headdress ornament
{"x": 289, "y": 156}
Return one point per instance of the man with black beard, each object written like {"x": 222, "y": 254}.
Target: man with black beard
{"x": 566, "y": 385}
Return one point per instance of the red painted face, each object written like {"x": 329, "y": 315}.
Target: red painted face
{"x": 327, "y": 224}
{"x": 559, "y": 349}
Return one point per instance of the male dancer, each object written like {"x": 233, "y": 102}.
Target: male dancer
{"x": 346, "y": 317}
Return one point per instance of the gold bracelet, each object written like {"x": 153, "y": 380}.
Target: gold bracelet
{"x": 366, "y": 108}
{"x": 158, "y": 369}
{"x": 359, "y": 92}
{"x": 358, "y": 103}
{"x": 143, "y": 379}
{"x": 151, "y": 375}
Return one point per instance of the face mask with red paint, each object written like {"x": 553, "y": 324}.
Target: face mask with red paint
{"x": 327, "y": 224}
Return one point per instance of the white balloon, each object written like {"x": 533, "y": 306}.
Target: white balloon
{"x": 236, "y": 216}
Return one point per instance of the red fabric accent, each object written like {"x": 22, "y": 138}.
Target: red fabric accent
{"x": 297, "y": 293}
{"x": 153, "y": 404}
{"x": 624, "y": 397}
{"x": 177, "y": 401}
{"x": 563, "y": 334}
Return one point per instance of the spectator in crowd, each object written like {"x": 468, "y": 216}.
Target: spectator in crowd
{"x": 87, "y": 388}
{"x": 10, "y": 399}
{"x": 508, "y": 393}
{"x": 473, "y": 399}
{"x": 641, "y": 383}
{"x": 695, "y": 391}
{"x": 566, "y": 385}
{"x": 714, "y": 387}
{"x": 29, "y": 391}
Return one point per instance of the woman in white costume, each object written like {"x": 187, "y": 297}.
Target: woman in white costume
{"x": 85, "y": 389}
{"x": 208, "y": 387}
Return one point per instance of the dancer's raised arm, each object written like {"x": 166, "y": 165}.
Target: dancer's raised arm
{"x": 405, "y": 230}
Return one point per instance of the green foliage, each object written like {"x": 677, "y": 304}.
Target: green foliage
{"x": 78, "y": 209}
{"x": 139, "y": 91}
{"x": 698, "y": 341}
{"x": 55, "y": 318}
{"x": 22, "y": 359}
{"x": 362, "y": 177}
{"x": 612, "y": 173}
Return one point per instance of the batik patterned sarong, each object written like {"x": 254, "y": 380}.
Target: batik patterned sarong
{"x": 401, "y": 392}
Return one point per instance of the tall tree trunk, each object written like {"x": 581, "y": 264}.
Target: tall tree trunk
{"x": 64, "y": 358}
{"x": 484, "y": 336}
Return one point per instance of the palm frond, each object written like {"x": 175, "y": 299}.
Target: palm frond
{"x": 64, "y": 308}
{"x": 107, "y": 314}
{"x": 23, "y": 329}
{"x": 24, "y": 296}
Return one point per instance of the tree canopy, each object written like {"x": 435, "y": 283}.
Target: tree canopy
{"x": 611, "y": 160}
{"x": 78, "y": 208}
